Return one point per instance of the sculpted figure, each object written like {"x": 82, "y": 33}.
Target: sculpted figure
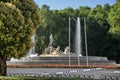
{"x": 51, "y": 40}
{"x": 66, "y": 51}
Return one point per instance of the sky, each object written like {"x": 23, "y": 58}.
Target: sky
{"x": 62, "y": 4}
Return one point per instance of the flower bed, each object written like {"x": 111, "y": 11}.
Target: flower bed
{"x": 63, "y": 66}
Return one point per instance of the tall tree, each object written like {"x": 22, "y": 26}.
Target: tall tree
{"x": 97, "y": 30}
{"x": 17, "y": 25}
{"x": 114, "y": 21}
{"x": 11, "y": 34}
{"x": 43, "y": 32}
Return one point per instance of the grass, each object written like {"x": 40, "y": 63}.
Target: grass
{"x": 38, "y": 78}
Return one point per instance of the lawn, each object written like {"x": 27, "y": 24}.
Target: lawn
{"x": 38, "y": 78}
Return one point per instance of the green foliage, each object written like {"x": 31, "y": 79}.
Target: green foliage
{"x": 113, "y": 19}
{"x": 114, "y": 31}
{"x": 11, "y": 30}
{"x": 44, "y": 30}
{"x": 39, "y": 78}
{"x": 83, "y": 11}
{"x": 98, "y": 30}
{"x": 118, "y": 1}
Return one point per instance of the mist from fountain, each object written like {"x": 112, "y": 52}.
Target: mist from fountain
{"x": 78, "y": 40}
{"x": 31, "y": 52}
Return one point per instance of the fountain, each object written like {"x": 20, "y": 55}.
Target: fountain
{"x": 55, "y": 56}
{"x": 78, "y": 46}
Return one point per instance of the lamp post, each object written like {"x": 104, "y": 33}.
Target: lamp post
{"x": 86, "y": 42}
{"x": 69, "y": 41}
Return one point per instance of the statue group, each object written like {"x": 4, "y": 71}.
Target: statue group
{"x": 51, "y": 50}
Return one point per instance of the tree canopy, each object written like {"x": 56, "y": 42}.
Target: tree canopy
{"x": 12, "y": 30}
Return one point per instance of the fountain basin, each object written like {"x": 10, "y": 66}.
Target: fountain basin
{"x": 62, "y": 59}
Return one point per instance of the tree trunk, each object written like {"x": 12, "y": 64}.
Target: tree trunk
{"x": 3, "y": 65}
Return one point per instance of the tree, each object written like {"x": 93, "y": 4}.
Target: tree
{"x": 11, "y": 34}
{"x": 114, "y": 19}
{"x": 43, "y": 32}
{"x": 98, "y": 28}
{"x": 17, "y": 24}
